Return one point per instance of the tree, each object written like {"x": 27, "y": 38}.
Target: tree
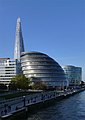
{"x": 3, "y": 86}
{"x": 39, "y": 85}
{"x": 20, "y": 82}
{"x": 82, "y": 83}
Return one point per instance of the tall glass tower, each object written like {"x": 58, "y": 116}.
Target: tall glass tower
{"x": 19, "y": 45}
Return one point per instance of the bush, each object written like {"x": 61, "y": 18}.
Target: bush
{"x": 19, "y": 82}
{"x": 39, "y": 85}
{"x": 3, "y": 87}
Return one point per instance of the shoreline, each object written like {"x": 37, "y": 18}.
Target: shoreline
{"x": 47, "y": 99}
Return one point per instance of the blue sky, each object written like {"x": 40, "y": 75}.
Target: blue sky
{"x": 55, "y": 27}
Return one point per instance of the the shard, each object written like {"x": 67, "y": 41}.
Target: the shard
{"x": 19, "y": 45}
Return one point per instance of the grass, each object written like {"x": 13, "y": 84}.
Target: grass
{"x": 3, "y": 91}
{"x": 14, "y": 95}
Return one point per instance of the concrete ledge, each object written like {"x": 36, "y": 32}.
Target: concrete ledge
{"x": 24, "y": 112}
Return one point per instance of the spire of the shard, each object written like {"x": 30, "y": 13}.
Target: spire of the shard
{"x": 19, "y": 45}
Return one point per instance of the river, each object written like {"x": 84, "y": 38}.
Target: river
{"x": 72, "y": 108}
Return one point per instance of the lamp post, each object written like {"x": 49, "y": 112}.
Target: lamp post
{"x": 7, "y": 87}
{"x": 5, "y": 109}
{"x": 24, "y": 100}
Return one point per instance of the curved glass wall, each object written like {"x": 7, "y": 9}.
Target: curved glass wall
{"x": 43, "y": 67}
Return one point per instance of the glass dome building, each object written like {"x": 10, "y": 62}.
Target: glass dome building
{"x": 41, "y": 66}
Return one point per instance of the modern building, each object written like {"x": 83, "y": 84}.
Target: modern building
{"x": 43, "y": 68}
{"x": 8, "y": 69}
{"x": 37, "y": 65}
{"x": 73, "y": 74}
{"x": 19, "y": 45}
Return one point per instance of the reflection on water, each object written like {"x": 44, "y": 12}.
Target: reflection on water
{"x": 72, "y": 108}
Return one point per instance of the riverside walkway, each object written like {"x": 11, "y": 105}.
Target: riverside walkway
{"x": 11, "y": 106}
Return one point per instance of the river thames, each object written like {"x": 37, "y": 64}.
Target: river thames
{"x": 72, "y": 108}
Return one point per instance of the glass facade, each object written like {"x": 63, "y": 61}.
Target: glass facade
{"x": 42, "y": 67}
{"x": 73, "y": 74}
{"x": 19, "y": 45}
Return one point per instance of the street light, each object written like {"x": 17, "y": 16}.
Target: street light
{"x": 7, "y": 87}
{"x": 24, "y": 100}
{"x": 5, "y": 109}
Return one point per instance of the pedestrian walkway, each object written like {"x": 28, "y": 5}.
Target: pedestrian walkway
{"x": 11, "y": 106}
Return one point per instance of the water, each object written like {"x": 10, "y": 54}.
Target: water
{"x": 72, "y": 108}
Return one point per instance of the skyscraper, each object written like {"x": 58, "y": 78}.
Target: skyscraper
{"x": 19, "y": 45}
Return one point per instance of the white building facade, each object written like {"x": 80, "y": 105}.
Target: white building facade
{"x": 8, "y": 69}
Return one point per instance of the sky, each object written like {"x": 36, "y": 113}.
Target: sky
{"x": 54, "y": 27}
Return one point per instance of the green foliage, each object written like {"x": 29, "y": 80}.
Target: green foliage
{"x": 39, "y": 85}
{"x": 20, "y": 82}
{"x": 82, "y": 83}
{"x": 2, "y": 86}
{"x": 15, "y": 94}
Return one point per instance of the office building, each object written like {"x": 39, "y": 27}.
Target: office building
{"x": 8, "y": 69}
{"x": 19, "y": 45}
{"x": 73, "y": 74}
{"x": 44, "y": 68}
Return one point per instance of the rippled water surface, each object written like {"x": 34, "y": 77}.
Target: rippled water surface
{"x": 72, "y": 108}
